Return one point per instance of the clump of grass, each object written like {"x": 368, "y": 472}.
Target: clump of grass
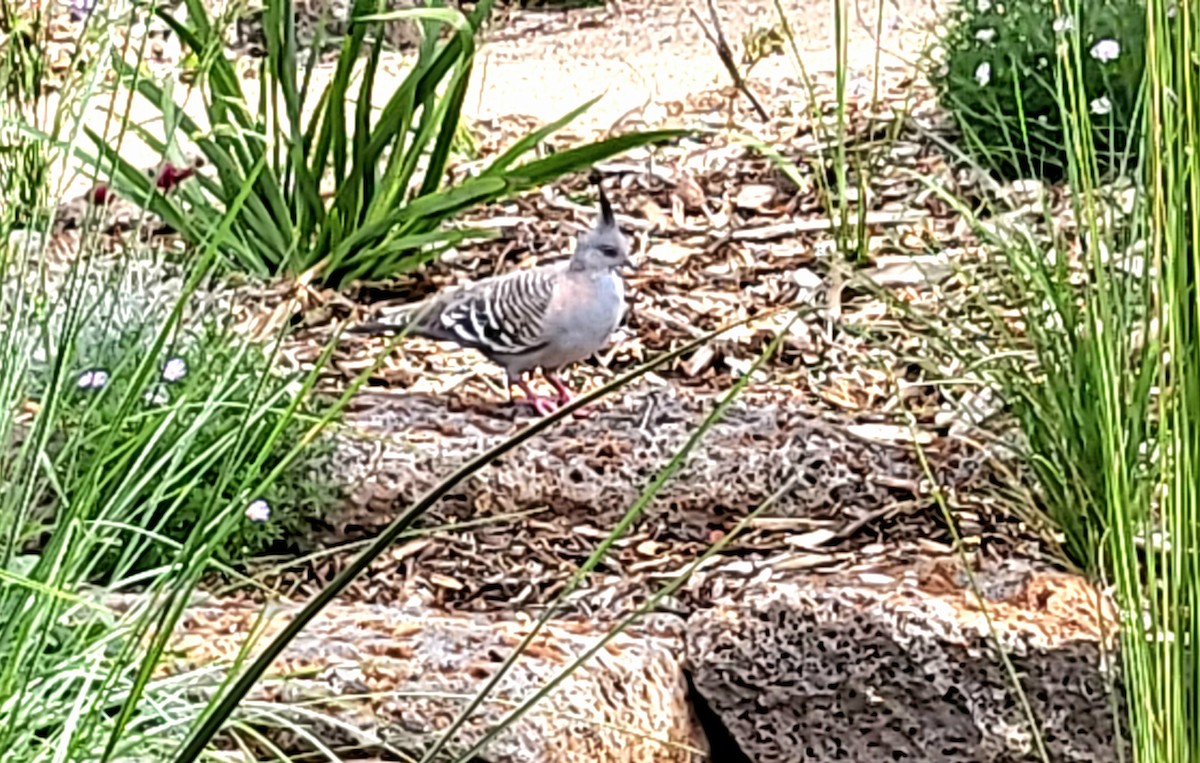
{"x": 1077, "y": 364}
{"x": 385, "y": 164}
{"x": 1086, "y": 322}
{"x": 1093, "y": 343}
{"x": 1154, "y": 541}
{"x": 23, "y": 160}
{"x": 102, "y": 460}
{"x": 841, "y": 165}
{"x": 996, "y": 72}
{"x": 201, "y": 392}
{"x": 123, "y": 469}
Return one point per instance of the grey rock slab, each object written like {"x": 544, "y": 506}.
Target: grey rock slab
{"x": 901, "y": 664}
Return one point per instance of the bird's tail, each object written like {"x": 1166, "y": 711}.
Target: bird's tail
{"x": 405, "y": 319}
{"x": 377, "y": 327}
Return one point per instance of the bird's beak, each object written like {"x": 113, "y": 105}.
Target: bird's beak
{"x": 629, "y": 264}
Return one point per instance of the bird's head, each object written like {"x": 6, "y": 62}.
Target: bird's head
{"x": 603, "y": 247}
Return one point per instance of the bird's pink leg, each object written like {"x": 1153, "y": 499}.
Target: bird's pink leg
{"x": 564, "y": 394}
{"x": 544, "y": 406}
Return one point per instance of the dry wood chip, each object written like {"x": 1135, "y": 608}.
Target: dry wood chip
{"x": 756, "y": 196}
{"x": 669, "y": 253}
{"x": 877, "y": 579}
{"x": 914, "y": 270}
{"x": 589, "y": 531}
{"x": 649, "y": 548}
{"x": 889, "y": 433}
{"x": 700, "y": 360}
{"x": 792, "y": 562}
{"x": 810, "y": 540}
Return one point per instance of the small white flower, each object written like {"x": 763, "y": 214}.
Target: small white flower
{"x": 156, "y": 396}
{"x": 1106, "y": 50}
{"x": 93, "y": 378}
{"x": 174, "y": 370}
{"x": 1063, "y": 24}
{"x": 984, "y": 6}
{"x": 1100, "y": 106}
{"x": 985, "y": 35}
{"x": 825, "y": 248}
{"x": 258, "y": 511}
{"x": 983, "y": 74}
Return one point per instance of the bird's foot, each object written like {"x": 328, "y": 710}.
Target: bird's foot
{"x": 544, "y": 406}
{"x": 564, "y": 396}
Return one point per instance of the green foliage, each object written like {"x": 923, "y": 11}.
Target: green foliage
{"x": 96, "y": 474}
{"x": 385, "y": 163}
{"x": 131, "y": 482}
{"x": 1157, "y": 580}
{"x": 1101, "y": 371}
{"x": 23, "y": 160}
{"x": 22, "y": 67}
{"x": 997, "y": 73}
{"x": 214, "y": 380}
{"x": 1072, "y": 378}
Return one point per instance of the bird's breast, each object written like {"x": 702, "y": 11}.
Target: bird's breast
{"x": 585, "y": 312}
{"x": 608, "y": 305}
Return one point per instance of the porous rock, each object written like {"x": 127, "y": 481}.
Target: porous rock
{"x": 602, "y": 463}
{"x": 887, "y": 665}
{"x": 401, "y": 677}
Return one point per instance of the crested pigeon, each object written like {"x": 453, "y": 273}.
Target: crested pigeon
{"x": 547, "y": 317}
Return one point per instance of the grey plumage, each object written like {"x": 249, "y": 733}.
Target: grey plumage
{"x": 547, "y": 318}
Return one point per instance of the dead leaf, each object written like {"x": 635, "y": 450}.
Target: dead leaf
{"x": 688, "y": 191}
{"x": 907, "y": 270}
{"x": 888, "y": 433}
{"x": 810, "y": 540}
{"x": 668, "y": 253}
{"x": 757, "y": 197}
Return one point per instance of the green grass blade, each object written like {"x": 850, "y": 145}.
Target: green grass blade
{"x": 528, "y": 142}
{"x": 577, "y": 159}
{"x": 446, "y": 118}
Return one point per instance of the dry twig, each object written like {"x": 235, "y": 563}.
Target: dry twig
{"x": 717, "y": 38}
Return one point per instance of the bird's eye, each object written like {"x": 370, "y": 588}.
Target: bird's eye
{"x": 608, "y": 251}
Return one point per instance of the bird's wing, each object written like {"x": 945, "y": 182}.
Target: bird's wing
{"x": 500, "y": 316}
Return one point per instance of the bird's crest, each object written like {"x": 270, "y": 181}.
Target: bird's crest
{"x": 602, "y": 248}
{"x": 607, "y": 218}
